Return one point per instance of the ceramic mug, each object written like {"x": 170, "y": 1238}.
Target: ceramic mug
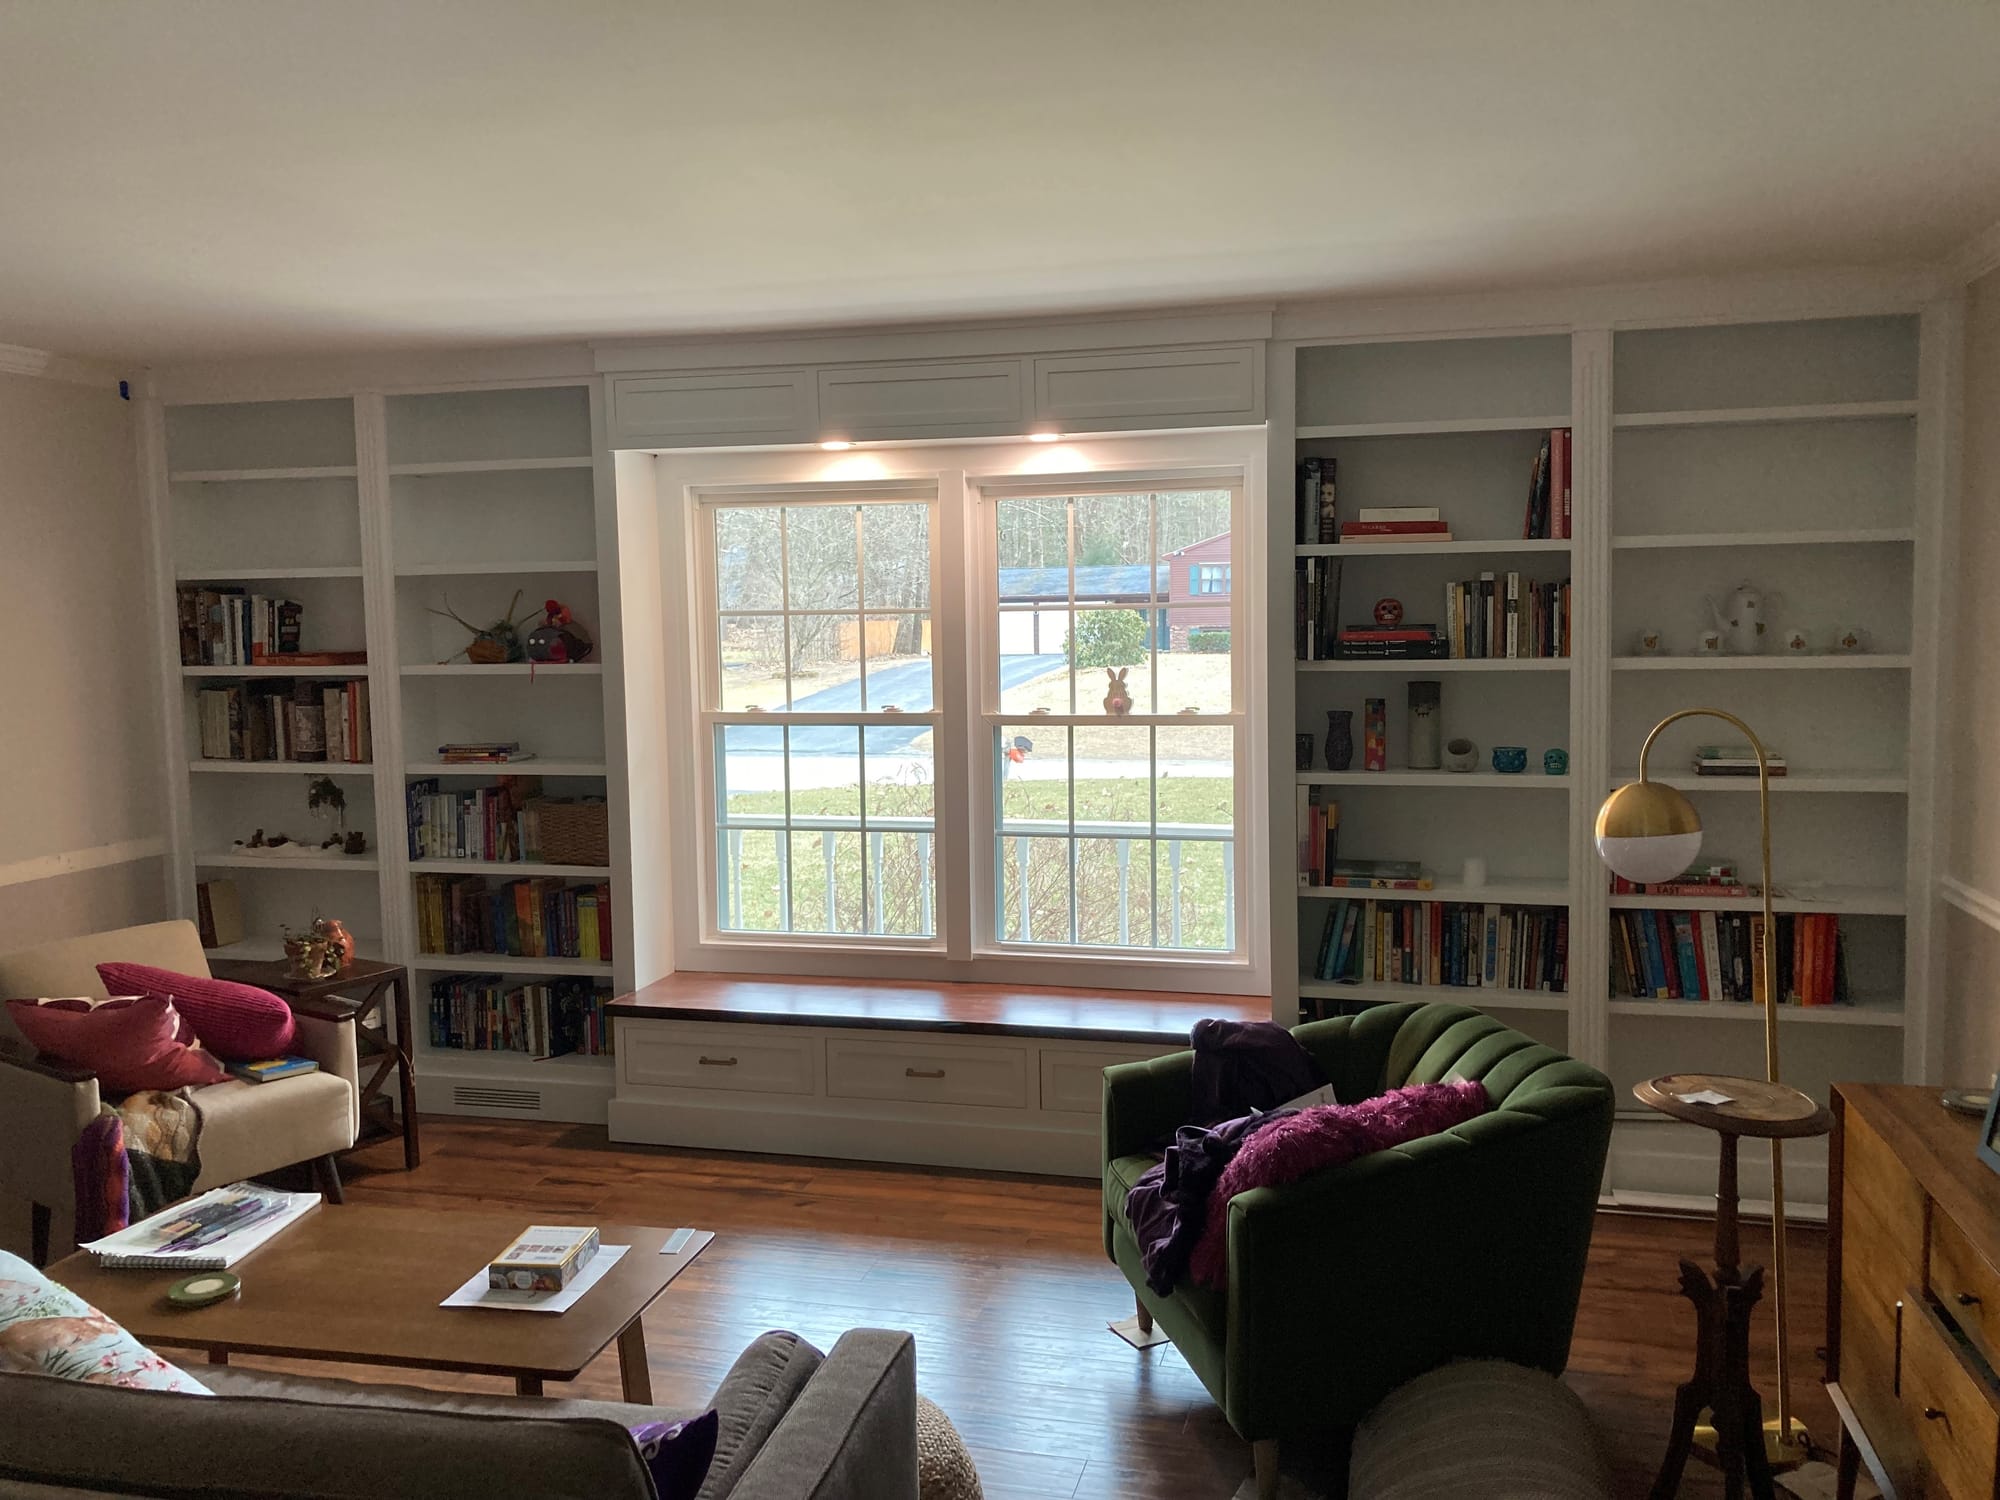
{"x": 1797, "y": 643}
{"x": 1708, "y": 643}
{"x": 1509, "y": 759}
{"x": 1460, "y": 755}
{"x": 1651, "y": 643}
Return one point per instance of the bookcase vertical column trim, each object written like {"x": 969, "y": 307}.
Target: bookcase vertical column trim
{"x": 385, "y": 683}
{"x": 1590, "y": 690}
{"x": 1927, "y": 830}
{"x": 611, "y": 653}
{"x": 151, "y": 438}
{"x": 1281, "y": 675}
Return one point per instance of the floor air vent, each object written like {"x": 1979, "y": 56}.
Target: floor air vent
{"x": 490, "y": 1098}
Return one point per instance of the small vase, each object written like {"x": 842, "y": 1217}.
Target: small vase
{"x": 1425, "y": 698}
{"x": 1339, "y": 738}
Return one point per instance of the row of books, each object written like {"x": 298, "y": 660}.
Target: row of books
{"x": 1315, "y": 607}
{"x": 483, "y": 1013}
{"x": 1504, "y": 616}
{"x": 1366, "y": 941}
{"x": 1548, "y": 514}
{"x": 497, "y": 822}
{"x": 283, "y": 720}
{"x": 544, "y": 917}
{"x": 1718, "y": 880}
{"x": 1317, "y": 521}
{"x": 1316, "y": 516}
{"x": 227, "y": 627}
{"x": 483, "y": 752}
{"x": 1708, "y": 955}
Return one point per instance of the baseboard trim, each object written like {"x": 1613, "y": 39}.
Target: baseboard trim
{"x": 1969, "y": 899}
{"x": 76, "y": 861}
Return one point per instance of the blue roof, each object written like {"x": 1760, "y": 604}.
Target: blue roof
{"x": 1097, "y": 581}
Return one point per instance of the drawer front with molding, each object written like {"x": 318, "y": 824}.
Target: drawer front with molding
{"x": 1967, "y": 1285}
{"x": 1073, "y": 1082}
{"x": 759, "y": 1059}
{"x": 1165, "y": 386}
{"x": 993, "y": 1076}
{"x": 691, "y": 411}
{"x": 900, "y": 401}
{"x": 1952, "y": 1415}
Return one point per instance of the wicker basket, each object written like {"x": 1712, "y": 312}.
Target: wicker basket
{"x": 574, "y": 833}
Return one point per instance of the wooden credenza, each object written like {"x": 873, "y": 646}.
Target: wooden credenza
{"x": 1913, "y": 1312}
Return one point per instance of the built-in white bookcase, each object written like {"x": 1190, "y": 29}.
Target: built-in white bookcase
{"x": 372, "y": 511}
{"x": 1781, "y": 454}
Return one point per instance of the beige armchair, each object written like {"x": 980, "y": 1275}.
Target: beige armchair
{"x": 246, "y": 1128}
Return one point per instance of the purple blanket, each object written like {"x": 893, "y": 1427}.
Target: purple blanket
{"x": 1328, "y": 1135}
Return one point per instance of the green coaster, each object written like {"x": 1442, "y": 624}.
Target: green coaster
{"x": 203, "y": 1288}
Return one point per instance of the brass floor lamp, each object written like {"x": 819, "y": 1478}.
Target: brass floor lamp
{"x": 1650, "y": 834}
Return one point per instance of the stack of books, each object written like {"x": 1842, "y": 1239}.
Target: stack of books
{"x": 1502, "y": 616}
{"x": 483, "y": 752}
{"x": 286, "y": 720}
{"x": 1319, "y": 833}
{"x": 1396, "y": 523}
{"x": 1734, "y": 760}
{"x": 1316, "y": 517}
{"x": 1719, "y": 956}
{"x": 1717, "y": 881}
{"x": 1390, "y": 643}
{"x": 1445, "y": 943}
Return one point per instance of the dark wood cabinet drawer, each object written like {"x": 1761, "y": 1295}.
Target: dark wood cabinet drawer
{"x": 1948, "y": 1408}
{"x": 1965, "y": 1285}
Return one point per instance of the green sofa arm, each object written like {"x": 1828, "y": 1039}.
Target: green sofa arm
{"x": 1464, "y": 1244}
{"x": 1145, "y": 1102}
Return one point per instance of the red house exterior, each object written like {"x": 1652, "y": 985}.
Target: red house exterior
{"x": 1198, "y": 589}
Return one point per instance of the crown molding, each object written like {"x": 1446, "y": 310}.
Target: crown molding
{"x": 1976, "y": 257}
{"x": 19, "y": 359}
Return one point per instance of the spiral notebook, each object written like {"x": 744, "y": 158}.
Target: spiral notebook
{"x": 208, "y": 1233}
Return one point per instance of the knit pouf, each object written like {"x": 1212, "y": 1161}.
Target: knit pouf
{"x": 1481, "y": 1428}
{"x": 944, "y": 1468}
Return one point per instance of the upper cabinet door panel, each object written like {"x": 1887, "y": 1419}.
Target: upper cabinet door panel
{"x": 959, "y": 399}
{"x": 696, "y": 411}
{"x": 1168, "y": 388}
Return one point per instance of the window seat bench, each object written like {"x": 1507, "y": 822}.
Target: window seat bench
{"x": 973, "y": 1075}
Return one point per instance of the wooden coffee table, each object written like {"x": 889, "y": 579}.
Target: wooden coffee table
{"x": 360, "y": 1284}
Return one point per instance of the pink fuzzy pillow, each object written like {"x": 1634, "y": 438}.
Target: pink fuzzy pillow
{"x": 1329, "y": 1135}
{"x": 239, "y": 1022}
{"x": 131, "y": 1043}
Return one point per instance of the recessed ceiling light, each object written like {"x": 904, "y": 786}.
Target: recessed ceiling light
{"x": 1044, "y": 437}
{"x": 836, "y": 445}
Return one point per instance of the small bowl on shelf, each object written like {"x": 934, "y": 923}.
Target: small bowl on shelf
{"x": 1510, "y": 759}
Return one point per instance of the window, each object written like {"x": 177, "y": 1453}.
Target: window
{"x": 1074, "y": 751}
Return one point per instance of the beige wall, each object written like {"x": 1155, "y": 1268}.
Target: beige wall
{"x": 1971, "y": 943}
{"x": 78, "y": 667}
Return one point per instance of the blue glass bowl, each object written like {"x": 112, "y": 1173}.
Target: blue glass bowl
{"x": 1510, "y": 758}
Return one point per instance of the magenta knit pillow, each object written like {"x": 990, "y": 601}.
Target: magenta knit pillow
{"x": 237, "y": 1022}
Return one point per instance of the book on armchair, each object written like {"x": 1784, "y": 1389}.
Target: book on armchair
{"x": 208, "y": 1233}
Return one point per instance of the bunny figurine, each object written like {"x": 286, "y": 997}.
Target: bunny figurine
{"x": 1118, "y": 701}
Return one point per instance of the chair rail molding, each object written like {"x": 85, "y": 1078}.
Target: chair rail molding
{"x": 76, "y": 861}
{"x": 1980, "y": 905}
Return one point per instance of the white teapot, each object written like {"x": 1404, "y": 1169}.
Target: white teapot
{"x": 1742, "y": 618}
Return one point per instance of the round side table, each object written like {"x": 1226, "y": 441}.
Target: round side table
{"x": 1723, "y": 1301}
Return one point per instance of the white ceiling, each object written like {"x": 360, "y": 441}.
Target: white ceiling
{"x": 182, "y": 179}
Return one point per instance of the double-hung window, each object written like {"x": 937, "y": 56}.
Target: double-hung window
{"x": 1083, "y": 797}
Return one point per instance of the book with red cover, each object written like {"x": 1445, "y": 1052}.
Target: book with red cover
{"x": 1399, "y": 633}
{"x": 1393, "y": 528}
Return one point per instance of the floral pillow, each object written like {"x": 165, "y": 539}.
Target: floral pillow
{"x": 47, "y": 1329}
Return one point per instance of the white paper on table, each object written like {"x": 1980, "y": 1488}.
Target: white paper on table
{"x": 1706, "y": 1096}
{"x": 476, "y": 1293}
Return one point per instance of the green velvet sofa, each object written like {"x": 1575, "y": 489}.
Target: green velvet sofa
{"x": 1466, "y": 1244}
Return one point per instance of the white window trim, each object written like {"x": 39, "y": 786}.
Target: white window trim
{"x": 958, "y": 474}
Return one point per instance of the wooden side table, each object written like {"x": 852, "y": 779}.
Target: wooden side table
{"x": 363, "y": 992}
{"x": 1723, "y": 1303}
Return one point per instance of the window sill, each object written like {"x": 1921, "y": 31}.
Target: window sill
{"x": 967, "y": 1009}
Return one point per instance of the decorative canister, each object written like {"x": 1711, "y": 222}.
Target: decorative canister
{"x": 1339, "y": 738}
{"x": 1426, "y": 699}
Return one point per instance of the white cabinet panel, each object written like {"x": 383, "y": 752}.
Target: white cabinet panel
{"x": 690, "y": 411}
{"x": 1073, "y": 1082}
{"x": 990, "y": 1074}
{"x": 760, "y": 1059}
{"x": 1169, "y": 387}
{"x": 958, "y": 399}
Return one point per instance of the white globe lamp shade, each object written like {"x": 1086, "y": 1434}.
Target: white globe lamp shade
{"x": 1648, "y": 833}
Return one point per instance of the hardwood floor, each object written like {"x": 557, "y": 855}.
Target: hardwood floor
{"x": 1004, "y": 1282}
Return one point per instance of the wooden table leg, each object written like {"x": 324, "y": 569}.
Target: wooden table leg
{"x": 407, "y": 1074}
{"x": 1849, "y": 1468}
{"x": 632, "y": 1370}
{"x": 527, "y": 1385}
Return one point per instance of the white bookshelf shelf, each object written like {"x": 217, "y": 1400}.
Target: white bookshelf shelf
{"x": 506, "y": 867}
{"x": 480, "y": 569}
{"x": 352, "y": 670}
{"x": 511, "y": 768}
{"x": 1458, "y": 546}
{"x": 229, "y": 859}
{"x": 250, "y": 476}
{"x": 1841, "y": 900}
{"x": 1865, "y": 1013}
{"x": 503, "y": 669}
{"x": 231, "y": 575}
{"x": 1495, "y": 892}
{"x": 1864, "y": 661}
{"x": 1535, "y": 780}
{"x": 502, "y": 963}
{"x": 1425, "y": 428}
{"x": 1424, "y": 667}
{"x": 491, "y": 466}
{"x": 1832, "y": 411}
{"x": 501, "y": 1067}
{"x": 1859, "y": 783}
{"x": 283, "y": 767}
{"x": 1855, "y": 537}
{"x": 1480, "y": 997}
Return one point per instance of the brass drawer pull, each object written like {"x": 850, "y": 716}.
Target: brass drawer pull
{"x": 920, "y": 1073}
{"x": 1967, "y": 1299}
{"x": 718, "y": 1062}
{"x": 1932, "y": 1414}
